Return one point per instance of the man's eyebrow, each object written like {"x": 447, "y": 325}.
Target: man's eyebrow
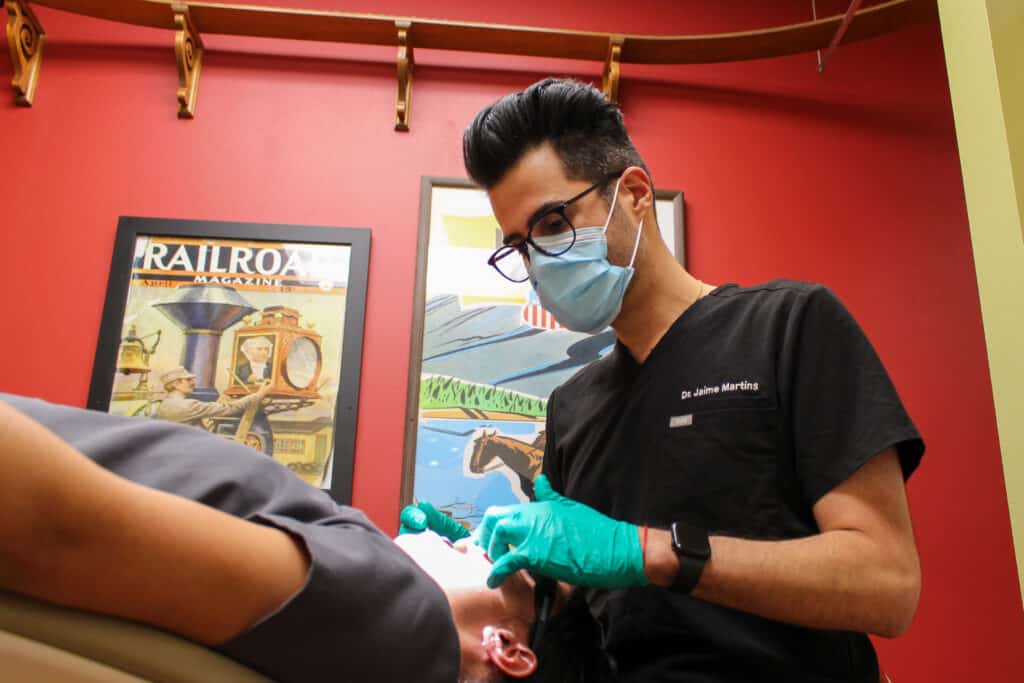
{"x": 544, "y": 208}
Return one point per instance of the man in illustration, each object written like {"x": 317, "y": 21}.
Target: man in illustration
{"x": 178, "y": 407}
{"x": 257, "y": 351}
{"x": 173, "y": 527}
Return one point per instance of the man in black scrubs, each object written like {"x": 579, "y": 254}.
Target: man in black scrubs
{"x": 728, "y": 481}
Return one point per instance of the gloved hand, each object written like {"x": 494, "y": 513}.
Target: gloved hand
{"x": 562, "y": 539}
{"x": 421, "y": 516}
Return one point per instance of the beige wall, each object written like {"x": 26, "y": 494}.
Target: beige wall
{"x": 984, "y": 44}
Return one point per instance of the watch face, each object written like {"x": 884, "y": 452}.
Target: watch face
{"x": 303, "y": 363}
{"x": 690, "y": 541}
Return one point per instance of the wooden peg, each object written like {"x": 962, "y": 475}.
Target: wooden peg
{"x": 188, "y": 47}
{"x": 25, "y": 38}
{"x": 406, "y": 63}
{"x": 612, "y": 67}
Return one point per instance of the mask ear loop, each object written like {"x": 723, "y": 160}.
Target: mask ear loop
{"x": 639, "y": 230}
{"x": 636, "y": 245}
{"x": 615, "y": 196}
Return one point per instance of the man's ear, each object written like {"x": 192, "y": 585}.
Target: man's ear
{"x": 636, "y": 184}
{"x": 511, "y": 655}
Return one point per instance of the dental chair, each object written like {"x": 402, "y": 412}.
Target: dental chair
{"x": 44, "y": 643}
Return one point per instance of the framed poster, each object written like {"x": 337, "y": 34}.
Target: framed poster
{"x": 250, "y": 330}
{"x": 485, "y": 356}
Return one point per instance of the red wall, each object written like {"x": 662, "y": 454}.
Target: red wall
{"x": 850, "y": 178}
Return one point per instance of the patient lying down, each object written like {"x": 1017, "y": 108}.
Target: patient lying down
{"x": 172, "y": 526}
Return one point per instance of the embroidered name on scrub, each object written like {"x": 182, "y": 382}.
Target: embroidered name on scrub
{"x": 745, "y": 386}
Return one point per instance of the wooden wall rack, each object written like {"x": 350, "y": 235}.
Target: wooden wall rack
{"x": 25, "y": 37}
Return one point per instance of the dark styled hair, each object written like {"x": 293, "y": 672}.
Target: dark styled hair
{"x": 585, "y": 130}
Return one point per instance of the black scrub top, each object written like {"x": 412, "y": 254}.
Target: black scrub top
{"x": 756, "y": 403}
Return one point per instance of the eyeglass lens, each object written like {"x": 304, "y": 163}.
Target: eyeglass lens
{"x": 554, "y": 232}
{"x": 510, "y": 263}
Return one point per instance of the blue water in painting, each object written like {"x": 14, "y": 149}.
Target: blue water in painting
{"x": 442, "y": 446}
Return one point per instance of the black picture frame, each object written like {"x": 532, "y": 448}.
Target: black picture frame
{"x": 672, "y": 214}
{"x": 131, "y": 228}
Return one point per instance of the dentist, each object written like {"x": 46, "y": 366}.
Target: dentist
{"x": 727, "y": 483}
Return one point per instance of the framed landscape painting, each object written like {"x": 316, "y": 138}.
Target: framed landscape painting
{"x": 485, "y": 356}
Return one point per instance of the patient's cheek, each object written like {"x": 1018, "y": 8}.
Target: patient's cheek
{"x": 518, "y": 588}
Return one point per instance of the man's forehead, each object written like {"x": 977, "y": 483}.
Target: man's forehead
{"x": 537, "y": 178}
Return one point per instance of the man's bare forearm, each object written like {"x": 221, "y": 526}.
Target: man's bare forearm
{"x": 834, "y": 580}
{"x": 861, "y": 573}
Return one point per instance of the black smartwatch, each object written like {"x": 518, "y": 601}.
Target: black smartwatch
{"x": 693, "y": 550}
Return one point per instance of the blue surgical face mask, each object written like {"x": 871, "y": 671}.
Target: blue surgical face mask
{"x": 580, "y": 288}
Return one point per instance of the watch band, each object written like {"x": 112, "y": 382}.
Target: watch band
{"x": 693, "y": 550}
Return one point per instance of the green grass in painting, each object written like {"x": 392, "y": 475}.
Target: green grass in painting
{"x": 439, "y": 392}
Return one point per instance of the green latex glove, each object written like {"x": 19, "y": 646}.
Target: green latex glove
{"x": 422, "y": 516}
{"x": 562, "y": 539}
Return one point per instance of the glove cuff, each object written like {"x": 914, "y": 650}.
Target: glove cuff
{"x": 411, "y": 520}
{"x": 633, "y": 559}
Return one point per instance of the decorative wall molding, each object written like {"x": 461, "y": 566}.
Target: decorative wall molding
{"x": 188, "y": 47}
{"x": 405, "y": 68}
{"x": 612, "y": 69}
{"x": 187, "y": 18}
{"x": 25, "y": 38}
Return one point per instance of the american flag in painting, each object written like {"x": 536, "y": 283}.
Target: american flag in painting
{"x": 535, "y": 315}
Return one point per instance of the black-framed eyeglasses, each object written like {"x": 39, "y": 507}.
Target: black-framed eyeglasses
{"x": 548, "y": 221}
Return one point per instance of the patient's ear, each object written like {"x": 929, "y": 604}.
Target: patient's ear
{"x": 509, "y": 653}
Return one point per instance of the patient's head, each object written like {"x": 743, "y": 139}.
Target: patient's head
{"x": 494, "y": 629}
{"x": 493, "y": 625}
